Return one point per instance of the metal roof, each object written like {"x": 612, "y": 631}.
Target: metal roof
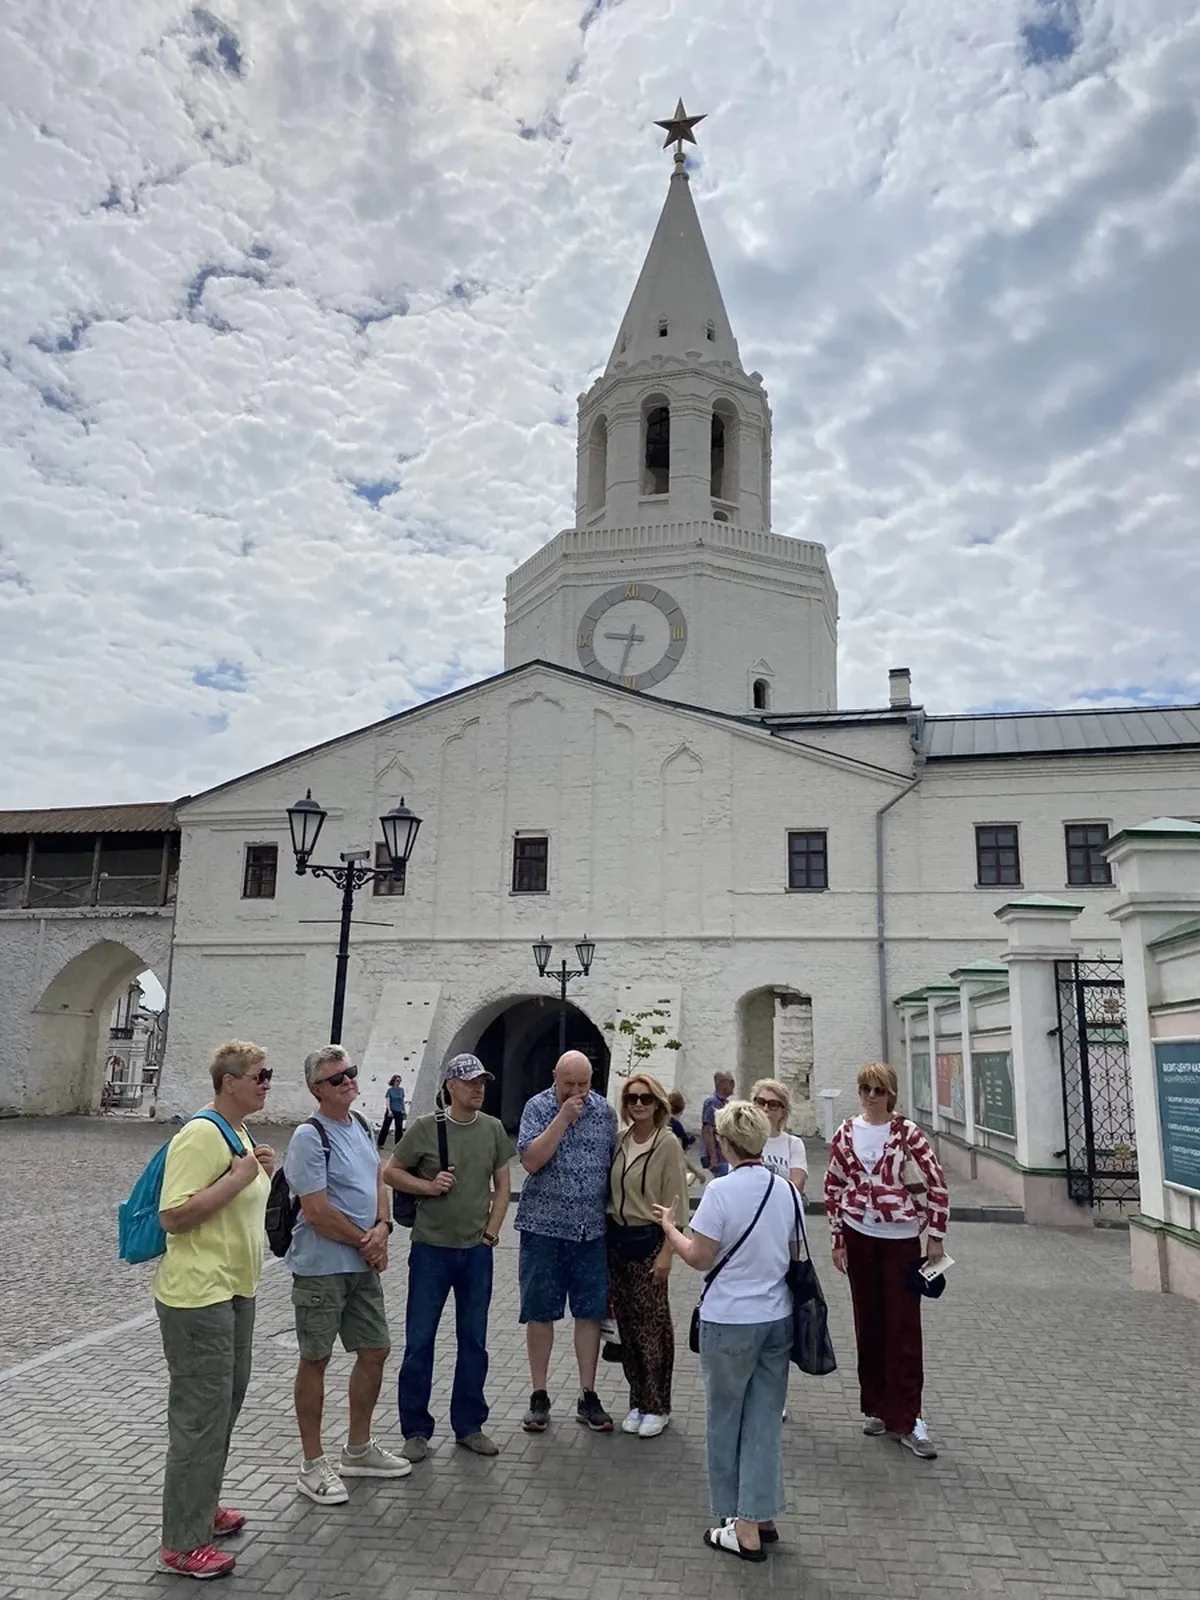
{"x": 153, "y": 818}
{"x": 1057, "y": 733}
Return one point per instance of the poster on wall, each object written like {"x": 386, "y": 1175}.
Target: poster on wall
{"x": 922, "y": 1086}
{"x": 1177, "y": 1071}
{"x": 992, "y": 1070}
{"x": 951, "y": 1096}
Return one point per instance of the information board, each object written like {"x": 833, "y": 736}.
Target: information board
{"x": 922, "y": 1084}
{"x": 951, "y": 1095}
{"x": 992, "y": 1071}
{"x": 1177, "y": 1070}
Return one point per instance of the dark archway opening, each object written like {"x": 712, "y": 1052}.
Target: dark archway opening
{"x": 520, "y": 1047}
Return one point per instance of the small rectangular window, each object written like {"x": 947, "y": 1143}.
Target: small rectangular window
{"x": 808, "y": 860}
{"x": 1085, "y": 859}
{"x": 997, "y": 855}
{"x": 390, "y": 884}
{"x": 531, "y": 858}
{"x": 258, "y": 878}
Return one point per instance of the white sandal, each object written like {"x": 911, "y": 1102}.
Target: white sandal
{"x": 725, "y": 1538}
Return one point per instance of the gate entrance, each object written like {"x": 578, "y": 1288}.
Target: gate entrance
{"x": 1097, "y": 1093}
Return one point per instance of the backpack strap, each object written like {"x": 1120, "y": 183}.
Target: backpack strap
{"x": 218, "y": 1121}
{"x": 728, "y": 1257}
{"x": 439, "y": 1119}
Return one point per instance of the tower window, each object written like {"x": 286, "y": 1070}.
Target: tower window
{"x": 710, "y": 332}
{"x": 762, "y": 695}
{"x": 657, "y": 479}
{"x": 664, "y": 327}
{"x": 722, "y": 452}
{"x": 597, "y": 474}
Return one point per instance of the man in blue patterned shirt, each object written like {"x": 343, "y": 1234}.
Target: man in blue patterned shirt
{"x": 567, "y": 1141}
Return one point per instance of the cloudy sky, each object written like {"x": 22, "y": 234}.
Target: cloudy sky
{"x": 296, "y": 299}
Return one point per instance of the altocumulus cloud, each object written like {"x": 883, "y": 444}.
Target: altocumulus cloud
{"x": 295, "y": 300}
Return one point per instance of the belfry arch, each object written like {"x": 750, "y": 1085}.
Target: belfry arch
{"x": 775, "y": 1040}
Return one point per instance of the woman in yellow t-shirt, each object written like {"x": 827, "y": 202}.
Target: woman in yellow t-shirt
{"x": 212, "y": 1208}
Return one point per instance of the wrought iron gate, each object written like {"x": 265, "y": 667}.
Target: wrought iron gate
{"x": 1097, "y": 1095}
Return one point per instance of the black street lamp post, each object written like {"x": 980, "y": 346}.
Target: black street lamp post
{"x": 562, "y": 975}
{"x": 305, "y": 819}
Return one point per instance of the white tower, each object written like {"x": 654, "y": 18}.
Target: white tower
{"x": 672, "y": 581}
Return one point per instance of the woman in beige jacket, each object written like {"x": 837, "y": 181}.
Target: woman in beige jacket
{"x": 648, "y": 1170}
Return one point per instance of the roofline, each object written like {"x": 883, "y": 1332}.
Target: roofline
{"x": 736, "y": 719}
{"x": 1061, "y": 711}
{"x": 1058, "y": 754}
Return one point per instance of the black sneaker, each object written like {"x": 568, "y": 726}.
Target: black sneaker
{"x": 592, "y": 1414}
{"x": 538, "y": 1415}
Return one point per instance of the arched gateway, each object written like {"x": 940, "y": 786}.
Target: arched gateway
{"x": 517, "y": 1041}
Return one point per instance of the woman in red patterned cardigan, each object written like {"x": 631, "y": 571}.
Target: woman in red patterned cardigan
{"x": 876, "y": 1229}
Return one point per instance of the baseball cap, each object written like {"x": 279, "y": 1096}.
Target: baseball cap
{"x": 465, "y": 1067}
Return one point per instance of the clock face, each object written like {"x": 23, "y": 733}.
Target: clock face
{"x": 633, "y": 634}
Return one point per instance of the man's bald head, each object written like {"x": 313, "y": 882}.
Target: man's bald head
{"x": 572, "y": 1074}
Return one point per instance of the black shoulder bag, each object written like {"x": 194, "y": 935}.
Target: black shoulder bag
{"x": 812, "y": 1348}
{"x": 694, "y": 1329}
{"x": 404, "y": 1206}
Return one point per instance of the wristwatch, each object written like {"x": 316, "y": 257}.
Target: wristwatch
{"x": 490, "y": 1238}
{"x": 385, "y": 1222}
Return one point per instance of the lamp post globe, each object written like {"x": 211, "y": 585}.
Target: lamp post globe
{"x": 305, "y": 820}
{"x": 400, "y": 828}
{"x": 541, "y": 954}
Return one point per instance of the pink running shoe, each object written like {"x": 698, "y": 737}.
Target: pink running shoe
{"x": 206, "y": 1562}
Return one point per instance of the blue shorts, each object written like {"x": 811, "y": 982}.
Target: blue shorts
{"x": 551, "y": 1270}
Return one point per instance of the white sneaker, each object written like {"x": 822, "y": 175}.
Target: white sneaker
{"x": 652, "y": 1426}
{"x": 632, "y": 1422}
{"x": 373, "y": 1462}
{"x": 322, "y": 1484}
{"x": 919, "y": 1442}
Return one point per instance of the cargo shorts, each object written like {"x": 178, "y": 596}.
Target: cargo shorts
{"x": 348, "y": 1305}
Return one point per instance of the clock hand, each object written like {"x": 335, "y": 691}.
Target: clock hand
{"x": 629, "y": 639}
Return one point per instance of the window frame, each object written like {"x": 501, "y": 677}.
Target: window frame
{"x": 525, "y": 838}
{"x": 389, "y": 885}
{"x": 808, "y": 833}
{"x": 996, "y": 848}
{"x": 249, "y": 867}
{"x": 1089, "y": 882}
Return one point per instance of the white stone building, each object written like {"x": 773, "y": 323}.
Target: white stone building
{"x": 660, "y": 766}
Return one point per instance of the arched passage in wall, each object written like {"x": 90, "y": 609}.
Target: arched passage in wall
{"x": 517, "y": 1041}
{"x": 69, "y": 1050}
{"x": 775, "y": 1040}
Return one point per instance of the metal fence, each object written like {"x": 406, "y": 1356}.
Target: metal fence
{"x": 1101, "y": 1149}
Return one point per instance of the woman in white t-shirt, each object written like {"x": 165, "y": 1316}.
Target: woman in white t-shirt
{"x": 742, "y": 1234}
{"x": 784, "y": 1152}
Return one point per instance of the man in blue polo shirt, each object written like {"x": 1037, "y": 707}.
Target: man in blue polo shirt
{"x": 567, "y": 1141}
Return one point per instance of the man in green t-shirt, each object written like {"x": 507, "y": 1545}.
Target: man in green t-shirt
{"x": 458, "y": 1223}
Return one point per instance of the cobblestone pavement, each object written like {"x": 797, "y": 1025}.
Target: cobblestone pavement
{"x": 1065, "y": 1407}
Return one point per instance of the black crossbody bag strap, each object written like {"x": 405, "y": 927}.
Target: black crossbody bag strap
{"x": 801, "y": 1230}
{"x": 439, "y": 1118}
{"x": 726, "y": 1259}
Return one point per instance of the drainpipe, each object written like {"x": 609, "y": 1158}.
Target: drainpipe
{"x": 915, "y": 725}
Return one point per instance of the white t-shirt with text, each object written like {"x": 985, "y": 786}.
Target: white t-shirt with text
{"x": 869, "y": 1139}
{"x": 783, "y": 1152}
{"x": 753, "y": 1287}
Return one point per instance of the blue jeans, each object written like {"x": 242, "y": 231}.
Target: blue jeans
{"x": 745, "y": 1367}
{"x": 433, "y": 1270}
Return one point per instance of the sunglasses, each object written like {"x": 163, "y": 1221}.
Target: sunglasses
{"x": 640, "y": 1100}
{"x": 261, "y": 1078}
{"x": 872, "y": 1089}
{"x": 768, "y": 1105}
{"x": 337, "y": 1079}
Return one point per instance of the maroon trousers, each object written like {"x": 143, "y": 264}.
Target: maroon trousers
{"x": 887, "y": 1327}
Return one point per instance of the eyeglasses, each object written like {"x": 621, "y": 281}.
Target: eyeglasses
{"x": 337, "y": 1079}
{"x": 872, "y": 1089}
{"x": 639, "y": 1100}
{"x": 768, "y": 1105}
{"x": 263, "y": 1078}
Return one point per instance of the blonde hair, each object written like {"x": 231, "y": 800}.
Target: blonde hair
{"x": 779, "y": 1090}
{"x": 235, "y": 1058}
{"x": 743, "y": 1128}
{"x": 662, "y": 1106}
{"x": 878, "y": 1075}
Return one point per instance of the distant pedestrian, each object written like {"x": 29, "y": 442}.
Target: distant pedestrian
{"x": 784, "y": 1152}
{"x": 712, "y": 1159}
{"x": 689, "y": 1141}
{"x": 394, "y": 1112}
{"x": 648, "y": 1171}
{"x": 213, "y": 1210}
{"x": 742, "y": 1234}
{"x": 338, "y": 1250}
{"x": 458, "y": 1224}
{"x": 566, "y": 1142}
{"x": 875, "y": 1225}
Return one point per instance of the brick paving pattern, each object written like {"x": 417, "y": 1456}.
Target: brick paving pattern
{"x": 1065, "y": 1407}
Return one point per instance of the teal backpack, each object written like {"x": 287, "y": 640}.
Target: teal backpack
{"x": 140, "y": 1235}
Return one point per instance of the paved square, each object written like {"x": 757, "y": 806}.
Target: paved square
{"x": 1065, "y": 1407}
